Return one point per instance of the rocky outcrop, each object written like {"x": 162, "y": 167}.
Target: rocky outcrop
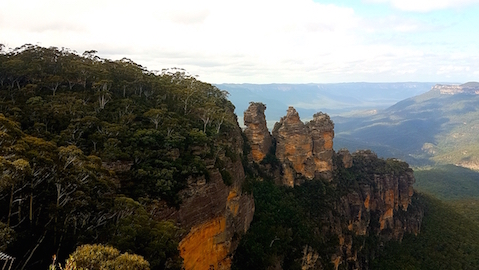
{"x": 304, "y": 150}
{"x": 256, "y": 131}
{"x": 370, "y": 197}
{"x": 345, "y": 158}
{"x": 378, "y": 205}
{"x": 213, "y": 214}
{"x": 471, "y": 88}
{"x": 375, "y": 204}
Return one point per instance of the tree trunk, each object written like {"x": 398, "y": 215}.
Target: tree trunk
{"x": 31, "y": 208}
{"x": 10, "y": 207}
{"x": 40, "y": 240}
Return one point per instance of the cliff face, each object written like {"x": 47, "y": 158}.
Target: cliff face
{"x": 471, "y": 88}
{"x": 213, "y": 214}
{"x": 303, "y": 149}
{"x": 374, "y": 196}
{"x": 256, "y": 131}
{"x": 379, "y": 206}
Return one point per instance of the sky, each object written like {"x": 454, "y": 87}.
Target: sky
{"x": 263, "y": 41}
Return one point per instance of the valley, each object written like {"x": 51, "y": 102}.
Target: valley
{"x": 105, "y": 163}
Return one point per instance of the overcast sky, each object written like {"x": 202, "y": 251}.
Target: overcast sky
{"x": 263, "y": 41}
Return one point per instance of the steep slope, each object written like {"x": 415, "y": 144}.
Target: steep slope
{"x": 447, "y": 241}
{"x": 439, "y": 126}
{"x": 313, "y": 216}
{"x": 100, "y": 151}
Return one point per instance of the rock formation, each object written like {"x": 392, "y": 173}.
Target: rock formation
{"x": 376, "y": 202}
{"x": 304, "y": 149}
{"x": 346, "y": 158}
{"x": 213, "y": 214}
{"x": 471, "y": 88}
{"x": 256, "y": 131}
{"x": 379, "y": 206}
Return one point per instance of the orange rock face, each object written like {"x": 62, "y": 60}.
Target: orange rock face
{"x": 256, "y": 131}
{"x": 305, "y": 149}
{"x": 205, "y": 246}
{"x": 212, "y": 215}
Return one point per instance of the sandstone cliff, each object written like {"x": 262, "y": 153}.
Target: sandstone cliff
{"x": 377, "y": 205}
{"x": 256, "y": 131}
{"x": 213, "y": 213}
{"x": 471, "y": 88}
{"x": 370, "y": 198}
{"x": 304, "y": 150}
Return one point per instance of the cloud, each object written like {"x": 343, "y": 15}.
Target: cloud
{"x": 234, "y": 41}
{"x": 425, "y": 5}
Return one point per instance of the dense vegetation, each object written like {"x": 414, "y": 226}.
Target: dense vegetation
{"x": 449, "y": 237}
{"x": 88, "y": 146}
{"x": 288, "y": 220}
{"x": 448, "y": 182}
{"x": 447, "y": 240}
{"x": 284, "y": 223}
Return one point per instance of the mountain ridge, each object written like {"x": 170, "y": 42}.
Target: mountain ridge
{"x": 435, "y": 127}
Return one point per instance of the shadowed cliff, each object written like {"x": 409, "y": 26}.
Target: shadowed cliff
{"x": 326, "y": 209}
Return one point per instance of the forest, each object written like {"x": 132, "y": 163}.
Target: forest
{"x": 90, "y": 146}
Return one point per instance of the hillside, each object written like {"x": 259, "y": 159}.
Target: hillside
{"x": 447, "y": 240}
{"x": 95, "y": 151}
{"x": 450, "y": 230}
{"x": 152, "y": 169}
{"x": 439, "y": 126}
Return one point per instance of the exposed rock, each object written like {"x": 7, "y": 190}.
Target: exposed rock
{"x": 304, "y": 150}
{"x": 212, "y": 213}
{"x": 310, "y": 257}
{"x": 346, "y": 158}
{"x": 376, "y": 204}
{"x": 379, "y": 206}
{"x": 471, "y": 88}
{"x": 256, "y": 131}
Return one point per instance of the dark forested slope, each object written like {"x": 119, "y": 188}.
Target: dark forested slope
{"x": 90, "y": 148}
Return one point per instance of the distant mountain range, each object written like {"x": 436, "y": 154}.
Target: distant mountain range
{"x": 421, "y": 123}
{"x": 439, "y": 126}
{"x": 334, "y": 99}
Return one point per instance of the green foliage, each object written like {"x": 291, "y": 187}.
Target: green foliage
{"x": 448, "y": 182}
{"x": 106, "y": 257}
{"x": 469, "y": 208}
{"x": 67, "y": 121}
{"x": 284, "y": 222}
{"x": 6, "y": 236}
{"x": 447, "y": 241}
{"x": 136, "y": 231}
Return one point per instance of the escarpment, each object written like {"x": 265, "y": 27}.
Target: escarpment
{"x": 378, "y": 204}
{"x": 304, "y": 150}
{"x": 214, "y": 211}
{"x": 363, "y": 202}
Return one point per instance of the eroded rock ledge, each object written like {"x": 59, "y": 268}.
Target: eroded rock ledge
{"x": 305, "y": 151}
{"x": 375, "y": 202}
{"x": 256, "y": 131}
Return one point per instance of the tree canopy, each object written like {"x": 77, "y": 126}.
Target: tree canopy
{"x": 88, "y": 144}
